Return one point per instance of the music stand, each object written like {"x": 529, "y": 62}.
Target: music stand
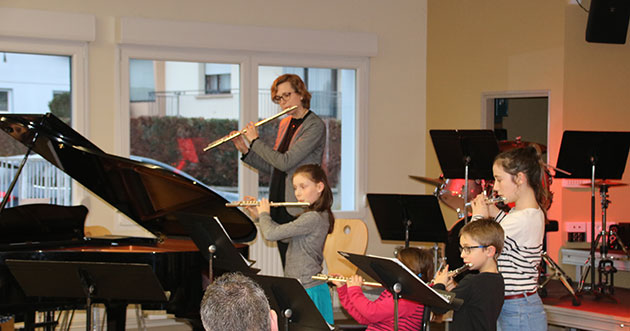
{"x": 131, "y": 282}
{"x": 214, "y": 243}
{"x": 408, "y": 217}
{"x": 595, "y": 155}
{"x": 402, "y": 282}
{"x": 296, "y": 311}
{"x": 467, "y": 154}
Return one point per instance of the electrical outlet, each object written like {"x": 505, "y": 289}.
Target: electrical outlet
{"x": 574, "y": 226}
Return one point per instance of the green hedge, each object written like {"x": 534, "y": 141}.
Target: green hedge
{"x": 157, "y": 138}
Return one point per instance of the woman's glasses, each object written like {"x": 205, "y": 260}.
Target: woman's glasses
{"x": 468, "y": 249}
{"x": 285, "y": 96}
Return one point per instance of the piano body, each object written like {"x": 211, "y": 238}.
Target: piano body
{"x": 152, "y": 196}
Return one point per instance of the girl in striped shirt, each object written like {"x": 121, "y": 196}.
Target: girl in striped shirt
{"x": 519, "y": 178}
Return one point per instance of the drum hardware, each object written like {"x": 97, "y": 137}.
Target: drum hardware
{"x": 605, "y": 268}
{"x": 556, "y": 273}
{"x": 506, "y": 145}
{"x": 236, "y": 134}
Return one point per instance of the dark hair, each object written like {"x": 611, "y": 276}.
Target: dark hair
{"x": 235, "y": 302}
{"x": 487, "y": 232}
{"x": 419, "y": 260}
{"x": 324, "y": 203}
{"x": 297, "y": 84}
{"x": 528, "y": 161}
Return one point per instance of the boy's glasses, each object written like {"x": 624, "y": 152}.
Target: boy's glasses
{"x": 467, "y": 249}
{"x": 285, "y": 96}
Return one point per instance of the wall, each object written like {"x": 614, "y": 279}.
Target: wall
{"x": 397, "y": 111}
{"x": 489, "y": 46}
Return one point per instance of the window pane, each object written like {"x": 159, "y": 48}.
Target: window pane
{"x": 333, "y": 99}
{"x": 181, "y": 119}
{"x": 34, "y": 84}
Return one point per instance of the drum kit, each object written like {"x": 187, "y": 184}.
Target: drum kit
{"x": 450, "y": 191}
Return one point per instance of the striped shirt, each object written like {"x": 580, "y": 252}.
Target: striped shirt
{"x": 521, "y": 255}
{"x": 379, "y": 314}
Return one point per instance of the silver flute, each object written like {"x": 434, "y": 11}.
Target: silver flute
{"x": 253, "y": 203}
{"x": 490, "y": 201}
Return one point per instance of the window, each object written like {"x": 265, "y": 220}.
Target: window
{"x": 4, "y": 100}
{"x": 34, "y": 84}
{"x": 175, "y": 124}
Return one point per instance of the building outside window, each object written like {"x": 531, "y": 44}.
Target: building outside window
{"x": 34, "y": 84}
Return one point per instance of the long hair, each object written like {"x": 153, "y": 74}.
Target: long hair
{"x": 316, "y": 174}
{"x": 528, "y": 161}
{"x": 297, "y": 84}
{"x": 419, "y": 260}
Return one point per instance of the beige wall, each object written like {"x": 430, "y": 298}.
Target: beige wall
{"x": 397, "y": 78}
{"x": 478, "y": 47}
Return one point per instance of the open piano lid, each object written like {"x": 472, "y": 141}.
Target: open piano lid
{"x": 148, "y": 194}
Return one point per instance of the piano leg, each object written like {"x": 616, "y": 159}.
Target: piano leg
{"x": 116, "y": 316}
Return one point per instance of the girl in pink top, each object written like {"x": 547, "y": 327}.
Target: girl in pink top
{"x": 379, "y": 314}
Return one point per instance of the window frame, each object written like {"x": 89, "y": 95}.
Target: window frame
{"x": 250, "y": 48}
{"x": 77, "y": 51}
{"x": 8, "y": 91}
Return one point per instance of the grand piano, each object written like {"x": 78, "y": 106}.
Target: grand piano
{"x": 154, "y": 197}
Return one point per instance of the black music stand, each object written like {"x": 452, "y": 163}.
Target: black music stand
{"x": 296, "y": 311}
{"x": 595, "y": 155}
{"x": 466, "y": 154}
{"x": 214, "y": 243}
{"x": 408, "y": 217}
{"x": 402, "y": 282}
{"x": 107, "y": 282}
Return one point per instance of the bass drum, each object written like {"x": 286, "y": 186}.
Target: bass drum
{"x": 451, "y": 193}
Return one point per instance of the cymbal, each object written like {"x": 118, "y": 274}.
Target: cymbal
{"x": 431, "y": 181}
{"x": 606, "y": 182}
{"x": 506, "y": 145}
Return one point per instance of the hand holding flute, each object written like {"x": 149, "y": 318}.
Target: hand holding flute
{"x": 484, "y": 206}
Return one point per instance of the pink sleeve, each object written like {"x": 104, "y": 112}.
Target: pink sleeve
{"x": 349, "y": 305}
{"x": 373, "y": 311}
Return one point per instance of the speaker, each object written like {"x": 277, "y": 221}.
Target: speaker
{"x": 608, "y": 21}
{"x": 619, "y": 233}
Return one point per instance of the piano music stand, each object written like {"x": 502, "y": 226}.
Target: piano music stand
{"x": 467, "y": 154}
{"x": 296, "y": 311}
{"x": 402, "y": 282}
{"x": 214, "y": 243}
{"x": 595, "y": 155}
{"x": 100, "y": 281}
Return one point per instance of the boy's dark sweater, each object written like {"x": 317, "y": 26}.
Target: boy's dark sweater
{"x": 483, "y": 298}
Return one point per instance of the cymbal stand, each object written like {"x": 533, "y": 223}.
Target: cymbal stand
{"x": 606, "y": 268}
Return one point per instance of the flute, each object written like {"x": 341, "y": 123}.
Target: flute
{"x": 454, "y": 273}
{"x": 343, "y": 280}
{"x": 490, "y": 201}
{"x": 236, "y": 134}
{"x": 254, "y": 203}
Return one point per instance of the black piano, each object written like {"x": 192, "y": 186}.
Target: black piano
{"x": 152, "y": 196}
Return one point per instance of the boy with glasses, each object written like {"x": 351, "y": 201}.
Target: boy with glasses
{"x": 480, "y": 242}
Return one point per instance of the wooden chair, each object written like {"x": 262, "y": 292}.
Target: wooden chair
{"x": 349, "y": 235}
